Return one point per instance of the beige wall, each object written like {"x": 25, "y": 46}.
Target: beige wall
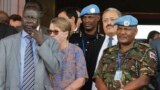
{"x": 16, "y": 7}
{"x": 12, "y": 6}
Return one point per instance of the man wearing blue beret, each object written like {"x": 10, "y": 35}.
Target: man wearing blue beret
{"x": 129, "y": 65}
{"x": 87, "y": 37}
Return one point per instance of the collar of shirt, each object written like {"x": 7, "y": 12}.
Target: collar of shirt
{"x": 114, "y": 39}
{"x": 24, "y": 34}
{"x": 76, "y": 29}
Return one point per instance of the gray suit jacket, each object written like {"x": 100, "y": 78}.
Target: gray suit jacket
{"x": 47, "y": 62}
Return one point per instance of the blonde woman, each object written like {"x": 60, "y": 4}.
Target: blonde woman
{"x": 73, "y": 71}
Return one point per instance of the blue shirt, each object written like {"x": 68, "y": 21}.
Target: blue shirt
{"x": 24, "y": 42}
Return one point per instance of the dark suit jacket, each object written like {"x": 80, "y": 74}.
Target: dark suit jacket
{"x": 6, "y": 30}
{"x": 91, "y": 60}
{"x": 155, "y": 44}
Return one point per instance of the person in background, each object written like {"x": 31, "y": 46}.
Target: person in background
{"x": 129, "y": 65}
{"x": 155, "y": 44}
{"x": 28, "y": 57}
{"x": 87, "y": 38}
{"x": 5, "y": 29}
{"x": 4, "y": 18}
{"x": 153, "y": 35}
{"x": 109, "y": 17}
{"x": 79, "y": 21}
{"x": 69, "y": 13}
{"x": 15, "y": 20}
{"x": 73, "y": 71}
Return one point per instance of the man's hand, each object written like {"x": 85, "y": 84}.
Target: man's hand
{"x": 100, "y": 84}
{"x": 38, "y": 36}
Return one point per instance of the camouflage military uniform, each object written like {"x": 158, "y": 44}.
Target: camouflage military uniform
{"x": 139, "y": 60}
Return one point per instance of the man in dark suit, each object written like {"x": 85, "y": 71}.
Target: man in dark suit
{"x": 27, "y": 58}
{"x": 87, "y": 38}
{"x": 155, "y": 44}
{"x": 6, "y": 30}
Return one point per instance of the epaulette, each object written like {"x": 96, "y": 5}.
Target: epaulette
{"x": 144, "y": 44}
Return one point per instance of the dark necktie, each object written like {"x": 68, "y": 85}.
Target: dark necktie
{"x": 110, "y": 41}
{"x": 29, "y": 68}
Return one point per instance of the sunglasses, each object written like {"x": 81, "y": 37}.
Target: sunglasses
{"x": 55, "y": 32}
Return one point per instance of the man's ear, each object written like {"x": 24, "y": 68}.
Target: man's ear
{"x": 72, "y": 19}
{"x": 98, "y": 17}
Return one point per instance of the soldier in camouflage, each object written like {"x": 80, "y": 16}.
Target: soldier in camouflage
{"x": 128, "y": 65}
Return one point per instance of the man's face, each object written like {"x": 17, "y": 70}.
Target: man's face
{"x": 126, "y": 35}
{"x": 63, "y": 14}
{"x": 90, "y": 21}
{"x": 71, "y": 20}
{"x": 30, "y": 20}
{"x": 17, "y": 24}
{"x": 108, "y": 19}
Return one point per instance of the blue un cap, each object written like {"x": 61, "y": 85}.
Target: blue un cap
{"x": 90, "y": 9}
{"x": 127, "y": 20}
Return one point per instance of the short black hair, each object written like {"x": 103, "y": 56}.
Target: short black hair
{"x": 34, "y": 4}
{"x": 151, "y": 35}
{"x": 15, "y": 17}
{"x": 70, "y": 12}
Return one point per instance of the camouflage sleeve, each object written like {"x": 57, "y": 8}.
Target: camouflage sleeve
{"x": 99, "y": 70}
{"x": 149, "y": 63}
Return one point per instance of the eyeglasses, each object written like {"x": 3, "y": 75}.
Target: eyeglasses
{"x": 55, "y": 32}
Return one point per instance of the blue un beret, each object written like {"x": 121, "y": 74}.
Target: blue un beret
{"x": 127, "y": 20}
{"x": 90, "y": 9}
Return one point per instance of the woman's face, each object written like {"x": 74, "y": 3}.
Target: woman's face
{"x": 57, "y": 33}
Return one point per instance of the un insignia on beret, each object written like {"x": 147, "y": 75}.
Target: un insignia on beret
{"x": 127, "y": 20}
{"x": 126, "y": 23}
{"x": 92, "y": 10}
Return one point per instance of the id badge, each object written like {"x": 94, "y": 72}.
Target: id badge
{"x": 118, "y": 75}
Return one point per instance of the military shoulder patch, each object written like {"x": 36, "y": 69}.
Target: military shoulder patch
{"x": 152, "y": 55}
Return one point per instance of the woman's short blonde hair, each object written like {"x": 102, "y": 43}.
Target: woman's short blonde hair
{"x": 63, "y": 24}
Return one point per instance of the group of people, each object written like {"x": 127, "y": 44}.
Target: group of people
{"x": 67, "y": 56}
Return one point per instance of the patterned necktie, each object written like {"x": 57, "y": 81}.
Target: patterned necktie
{"x": 29, "y": 69}
{"x": 110, "y": 41}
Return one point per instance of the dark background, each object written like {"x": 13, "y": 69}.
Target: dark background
{"x": 147, "y": 11}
